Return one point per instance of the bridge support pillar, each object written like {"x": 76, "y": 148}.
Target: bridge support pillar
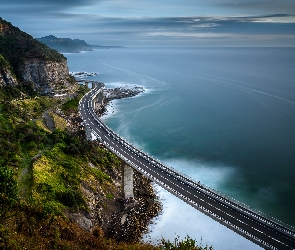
{"x": 127, "y": 185}
{"x": 98, "y": 101}
{"x": 87, "y": 84}
{"x": 88, "y": 132}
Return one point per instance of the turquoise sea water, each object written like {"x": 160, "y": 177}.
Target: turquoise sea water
{"x": 224, "y": 116}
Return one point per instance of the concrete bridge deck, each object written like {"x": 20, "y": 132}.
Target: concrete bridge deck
{"x": 253, "y": 225}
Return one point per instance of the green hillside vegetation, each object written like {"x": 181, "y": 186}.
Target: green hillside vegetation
{"x": 43, "y": 170}
{"x": 4, "y": 63}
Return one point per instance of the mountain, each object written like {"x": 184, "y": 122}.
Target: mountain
{"x": 65, "y": 45}
{"x": 26, "y": 61}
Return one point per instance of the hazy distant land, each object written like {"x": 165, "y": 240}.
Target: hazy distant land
{"x": 68, "y": 45}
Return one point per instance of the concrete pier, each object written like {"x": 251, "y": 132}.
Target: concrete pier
{"x": 88, "y": 132}
{"x": 127, "y": 179}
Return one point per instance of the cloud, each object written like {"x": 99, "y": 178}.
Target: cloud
{"x": 275, "y": 19}
{"x": 56, "y": 3}
{"x": 188, "y": 30}
{"x": 217, "y": 35}
{"x": 257, "y": 6}
{"x": 155, "y": 8}
{"x": 37, "y": 8}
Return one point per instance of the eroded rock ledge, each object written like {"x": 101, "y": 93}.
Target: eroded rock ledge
{"x": 122, "y": 92}
{"x": 116, "y": 93}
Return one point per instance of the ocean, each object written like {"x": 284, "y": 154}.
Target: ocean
{"x": 223, "y": 116}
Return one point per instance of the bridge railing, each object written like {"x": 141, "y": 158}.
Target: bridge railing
{"x": 243, "y": 208}
{"x": 189, "y": 201}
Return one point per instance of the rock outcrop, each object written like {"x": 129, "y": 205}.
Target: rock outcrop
{"x": 7, "y": 77}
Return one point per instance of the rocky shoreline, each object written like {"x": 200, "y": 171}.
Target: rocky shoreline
{"x": 79, "y": 75}
{"x": 132, "y": 220}
{"x": 122, "y": 92}
{"x": 116, "y": 93}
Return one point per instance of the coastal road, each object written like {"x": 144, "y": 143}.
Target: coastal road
{"x": 253, "y": 225}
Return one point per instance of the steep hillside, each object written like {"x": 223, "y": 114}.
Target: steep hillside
{"x": 32, "y": 62}
{"x": 57, "y": 190}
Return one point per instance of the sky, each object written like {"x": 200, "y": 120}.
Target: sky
{"x": 158, "y": 22}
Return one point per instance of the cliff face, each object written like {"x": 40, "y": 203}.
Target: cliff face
{"x": 32, "y": 62}
{"x": 48, "y": 76}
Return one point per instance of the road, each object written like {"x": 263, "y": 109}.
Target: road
{"x": 253, "y": 225}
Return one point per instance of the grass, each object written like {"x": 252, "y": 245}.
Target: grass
{"x": 110, "y": 196}
{"x": 59, "y": 122}
{"x": 41, "y": 124}
{"x": 58, "y": 174}
{"x": 34, "y": 107}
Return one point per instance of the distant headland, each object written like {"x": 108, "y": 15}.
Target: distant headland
{"x": 68, "y": 45}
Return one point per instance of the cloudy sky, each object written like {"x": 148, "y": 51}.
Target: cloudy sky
{"x": 158, "y": 22}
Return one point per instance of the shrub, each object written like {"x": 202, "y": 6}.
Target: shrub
{"x": 8, "y": 190}
{"x": 186, "y": 244}
{"x": 71, "y": 198}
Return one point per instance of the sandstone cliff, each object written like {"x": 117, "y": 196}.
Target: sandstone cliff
{"x": 47, "y": 76}
{"x": 32, "y": 62}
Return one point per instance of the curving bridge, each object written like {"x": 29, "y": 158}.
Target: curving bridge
{"x": 267, "y": 232}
